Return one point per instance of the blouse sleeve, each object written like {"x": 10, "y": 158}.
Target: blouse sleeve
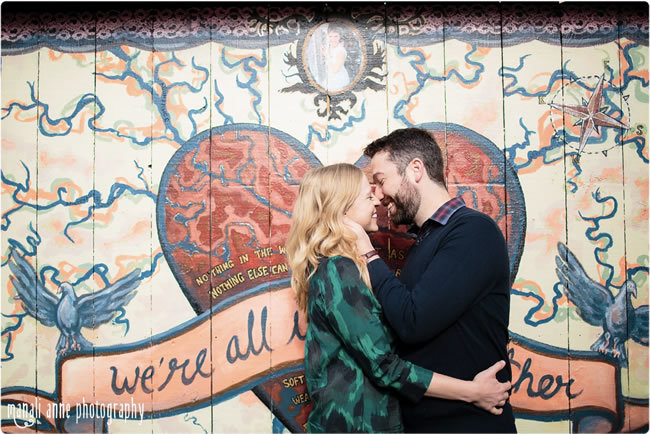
{"x": 348, "y": 306}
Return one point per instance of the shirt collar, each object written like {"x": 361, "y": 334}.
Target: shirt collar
{"x": 442, "y": 214}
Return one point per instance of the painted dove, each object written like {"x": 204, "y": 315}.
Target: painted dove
{"x": 599, "y": 307}
{"x": 70, "y": 313}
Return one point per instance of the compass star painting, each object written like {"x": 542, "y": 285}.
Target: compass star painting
{"x": 151, "y": 154}
{"x": 592, "y": 114}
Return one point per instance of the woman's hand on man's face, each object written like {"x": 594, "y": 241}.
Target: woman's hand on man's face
{"x": 363, "y": 241}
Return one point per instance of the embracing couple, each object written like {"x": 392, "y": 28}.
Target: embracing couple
{"x": 425, "y": 352}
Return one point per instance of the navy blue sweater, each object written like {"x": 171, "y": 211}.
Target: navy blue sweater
{"x": 450, "y": 310}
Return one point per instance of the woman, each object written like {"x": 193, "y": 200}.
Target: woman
{"x": 350, "y": 364}
{"x": 337, "y": 75}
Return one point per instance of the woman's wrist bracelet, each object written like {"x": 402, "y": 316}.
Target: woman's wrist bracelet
{"x": 367, "y": 256}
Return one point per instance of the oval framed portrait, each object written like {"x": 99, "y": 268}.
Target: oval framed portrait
{"x": 334, "y": 56}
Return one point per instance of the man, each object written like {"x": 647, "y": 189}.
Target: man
{"x": 450, "y": 306}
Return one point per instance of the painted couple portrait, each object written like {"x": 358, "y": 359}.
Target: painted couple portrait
{"x": 422, "y": 352}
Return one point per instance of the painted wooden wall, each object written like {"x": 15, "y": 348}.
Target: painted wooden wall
{"x": 150, "y": 159}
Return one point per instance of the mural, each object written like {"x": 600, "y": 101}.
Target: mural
{"x": 151, "y": 157}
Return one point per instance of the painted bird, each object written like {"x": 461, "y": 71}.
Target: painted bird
{"x": 70, "y": 313}
{"x": 599, "y": 307}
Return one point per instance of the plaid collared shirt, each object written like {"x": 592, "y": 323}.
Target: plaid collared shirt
{"x": 441, "y": 216}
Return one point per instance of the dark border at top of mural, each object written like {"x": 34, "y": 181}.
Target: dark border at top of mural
{"x": 96, "y": 26}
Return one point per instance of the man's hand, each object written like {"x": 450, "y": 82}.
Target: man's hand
{"x": 363, "y": 241}
{"x": 491, "y": 395}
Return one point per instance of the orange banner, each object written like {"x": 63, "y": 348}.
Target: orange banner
{"x": 239, "y": 344}
{"x": 260, "y": 335}
{"x": 547, "y": 383}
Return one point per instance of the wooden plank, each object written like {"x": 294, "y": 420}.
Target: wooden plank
{"x": 594, "y": 175}
{"x": 298, "y": 141}
{"x": 531, "y": 75}
{"x": 182, "y": 88}
{"x": 633, "y": 73}
{"x": 65, "y": 184}
{"x": 19, "y": 221}
{"x": 240, "y": 218}
{"x": 122, "y": 165}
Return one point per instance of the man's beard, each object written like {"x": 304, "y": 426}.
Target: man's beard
{"x": 407, "y": 202}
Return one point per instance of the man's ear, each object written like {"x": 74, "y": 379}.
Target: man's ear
{"x": 417, "y": 168}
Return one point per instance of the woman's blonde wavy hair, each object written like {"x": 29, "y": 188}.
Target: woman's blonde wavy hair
{"x": 317, "y": 230}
